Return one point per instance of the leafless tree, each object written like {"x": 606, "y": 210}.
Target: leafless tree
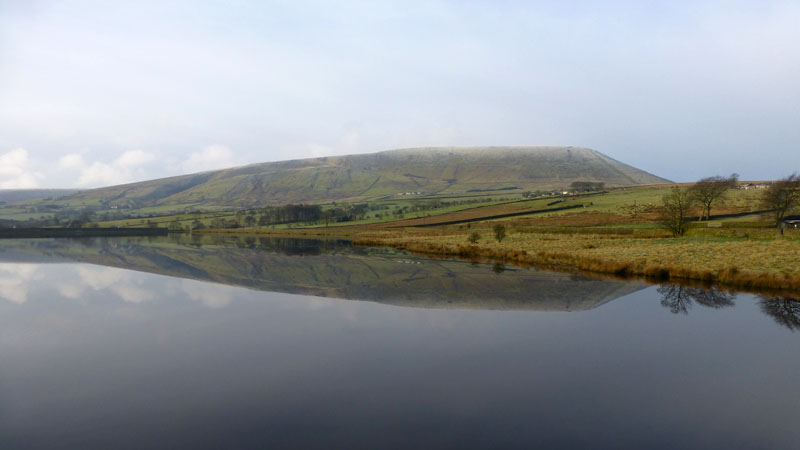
{"x": 675, "y": 211}
{"x": 710, "y": 190}
{"x": 781, "y": 197}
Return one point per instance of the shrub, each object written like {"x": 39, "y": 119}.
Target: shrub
{"x": 474, "y": 237}
{"x": 499, "y": 232}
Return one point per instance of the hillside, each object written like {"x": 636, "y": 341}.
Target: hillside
{"x": 21, "y": 195}
{"x": 422, "y": 171}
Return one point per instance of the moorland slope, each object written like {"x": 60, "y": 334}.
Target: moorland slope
{"x": 419, "y": 171}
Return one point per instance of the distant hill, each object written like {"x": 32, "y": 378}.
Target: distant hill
{"x": 21, "y": 195}
{"x": 419, "y": 171}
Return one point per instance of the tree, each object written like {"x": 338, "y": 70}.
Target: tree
{"x": 781, "y": 197}
{"x": 587, "y": 186}
{"x": 249, "y": 221}
{"x": 675, "y": 211}
{"x": 326, "y": 217}
{"x": 499, "y": 232}
{"x": 474, "y": 237}
{"x": 709, "y": 190}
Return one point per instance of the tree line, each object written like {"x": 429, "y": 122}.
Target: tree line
{"x": 779, "y": 198}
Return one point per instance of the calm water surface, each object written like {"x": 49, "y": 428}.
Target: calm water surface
{"x": 261, "y": 343}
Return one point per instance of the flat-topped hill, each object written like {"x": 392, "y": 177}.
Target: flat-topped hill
{"x": 421, "y": 171}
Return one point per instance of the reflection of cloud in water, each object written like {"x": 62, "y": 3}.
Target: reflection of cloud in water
{"x": 211, "y": 295}
{"x": 72, "y": 291}
{"x": 345, "y": 309}
{"x": 125, "y": 284}
{"x": 14, "y": 280}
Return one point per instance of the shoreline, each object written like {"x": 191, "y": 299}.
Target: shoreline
{"x": 741, "y": 263}
{"x": 34, "y": 233}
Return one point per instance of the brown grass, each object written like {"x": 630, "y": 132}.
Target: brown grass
{"x": 773, "y": 264}
{"x": 742, "y": 257}
{"x": 581, "y": 219}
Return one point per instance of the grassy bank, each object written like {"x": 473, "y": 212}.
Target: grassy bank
{"x": 750, "y": 263}
{"x": 747, "y": 262}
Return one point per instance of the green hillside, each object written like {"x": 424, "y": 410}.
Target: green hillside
{"x": 21, "y": 195}
{"x": 395, "y": 173}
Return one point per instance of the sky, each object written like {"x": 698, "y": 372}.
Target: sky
{"x": 96, "y": 93}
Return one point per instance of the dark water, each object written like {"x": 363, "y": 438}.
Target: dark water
{"x": 258, "y": 343}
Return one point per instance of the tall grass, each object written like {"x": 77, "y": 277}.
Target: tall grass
{"x": 773, "y": 264}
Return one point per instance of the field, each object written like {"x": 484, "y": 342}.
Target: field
{"x": 601, "y": 235}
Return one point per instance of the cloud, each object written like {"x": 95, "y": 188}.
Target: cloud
{"x": 71, "y": 161}
{"x": 128, "y": 167}
{"x": 15, "y": 171}
{"x": 133, "y": 159}
{"x": 312, "y": 150}
{"x": 653, "y": 84}
{"x": 210, "y": 158}
{"x": 347, "y": 144}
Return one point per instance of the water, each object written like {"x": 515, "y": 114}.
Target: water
{"x": 260, "y": 343}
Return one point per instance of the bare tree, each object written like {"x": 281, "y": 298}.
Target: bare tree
{"x": 675, "y": 211}
{"x": 781, "y": 197}
{"x": 709, "y": 190}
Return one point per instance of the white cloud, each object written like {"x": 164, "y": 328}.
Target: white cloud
{"x": 15, "y": 171}
{"x": 210, "y": 158}
{"x": 650, "y": 83}
{"x": 348, "y": 144}
{"x": 133, "y": 159}
{"x": 71, "y": 161}
{"x": 128, "y": 167}
{"x": 312, "y": 150}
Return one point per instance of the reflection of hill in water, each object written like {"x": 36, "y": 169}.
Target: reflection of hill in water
{"x": 333, "y": 269}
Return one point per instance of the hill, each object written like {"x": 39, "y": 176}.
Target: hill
{"x": 21, "y": 195}
{"x": 418, "y": 172}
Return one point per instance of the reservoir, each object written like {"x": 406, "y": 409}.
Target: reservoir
{"x": 234, "y": 342}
